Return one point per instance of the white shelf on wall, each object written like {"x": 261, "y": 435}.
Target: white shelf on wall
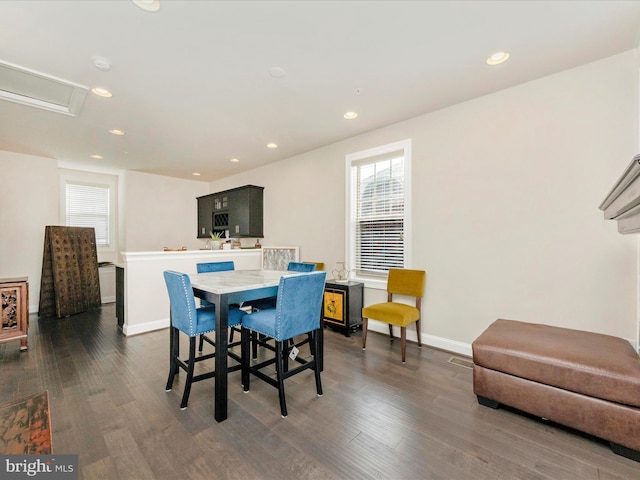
{"x": 622, "y": 203}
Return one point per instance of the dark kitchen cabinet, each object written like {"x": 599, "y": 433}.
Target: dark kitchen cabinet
{"x": 239, "y": 210}
{"x": 246, "y": 212}
{"x": 205, "y": 216}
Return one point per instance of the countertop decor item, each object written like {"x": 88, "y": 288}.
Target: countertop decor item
{"x": 216, "y": 240}
{"x": 341, "y": 272}
{"x": 278, "y": 258}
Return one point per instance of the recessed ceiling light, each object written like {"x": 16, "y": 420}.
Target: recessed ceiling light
{"x": 350, "y": 115}
{"x": 102, "y": 92}
{"x": 148, "y": 5}
{"x": 497, "y": 58}
{"x": 115, "y": 131}
{"x": 277, "y": 72}
{"x": 102, "y": 63}
{"x": 272, "y": 145}
{"x": 196, "y": 174}
{"x": 234, "y": 160}
{"x": 97, "y": 157}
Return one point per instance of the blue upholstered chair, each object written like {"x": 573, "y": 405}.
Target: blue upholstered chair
{"x": 301, "y": 267}
{"x": 263, "y": 303}
{"x": 297, "y": 312}
{"x": 270, "y": 302}
{"x": 214, "y": 267}
{"x": 192, "y": 321}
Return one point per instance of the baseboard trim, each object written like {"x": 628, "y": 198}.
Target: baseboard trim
{"x": 431, "y": 340}
{"x": 139, "y": 328}
{"x": 448, "y": 345}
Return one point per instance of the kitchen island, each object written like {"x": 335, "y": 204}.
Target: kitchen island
{"x": 142, "y": 303}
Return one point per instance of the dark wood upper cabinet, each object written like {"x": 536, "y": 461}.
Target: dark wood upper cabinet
{"x": 205, "y": 215}
{"x": 239, "y": 210}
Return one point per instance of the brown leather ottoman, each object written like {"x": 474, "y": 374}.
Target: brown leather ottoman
{"x": 587, "y": 381}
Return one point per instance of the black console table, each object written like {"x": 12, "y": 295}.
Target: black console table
{"x": 342, "y": 306}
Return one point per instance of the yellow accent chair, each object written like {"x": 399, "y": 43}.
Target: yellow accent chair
{"x": 319, "y": 266}
{"x": 401, "y": 282}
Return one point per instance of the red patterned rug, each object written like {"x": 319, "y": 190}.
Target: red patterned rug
{"x": 25, "y": 427}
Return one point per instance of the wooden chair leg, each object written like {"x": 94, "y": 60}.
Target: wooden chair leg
{"x": 245, "y": 341}
{"x": 391, "y": 332}
{"x": 285, "y": 355}
{"x": 403, "y": 343}
{"x": 190, "y": 365}
{"x": 174, "y": 353}
{"x": 418, "y": 333}
{"x": 315, "y": 341}
{"x": 365, "y": 325}
{"x": 201, "y": 343}
{"x": 254, "y": 345}
{"x": 312, "y": 344}
{"x": 280, "y": 374}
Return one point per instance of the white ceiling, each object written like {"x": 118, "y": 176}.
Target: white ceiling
{"x": 191, "y": 84}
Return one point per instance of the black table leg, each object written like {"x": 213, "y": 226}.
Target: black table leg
{"x": 222, "y": 336}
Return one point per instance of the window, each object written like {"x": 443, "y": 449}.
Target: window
{"x": 378, "y": 204}
{"x": 89, "y": 202}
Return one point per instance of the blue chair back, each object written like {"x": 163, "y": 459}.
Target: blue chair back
{"x": 183, "y": 304}
{"x": 215, "y": 267}
{"x": 298, "y": 304}
{"x": 301, "y": 267}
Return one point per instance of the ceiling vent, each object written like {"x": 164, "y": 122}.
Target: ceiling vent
{"x": 21, "y": 85}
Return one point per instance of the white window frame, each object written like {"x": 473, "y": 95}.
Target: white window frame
{"x": 92, "y": 179}
{"x": 376, "y": 281}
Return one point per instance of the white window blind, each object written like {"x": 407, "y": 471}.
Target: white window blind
{"x": 378, "y": 213}
{"x": 87, "y": 205}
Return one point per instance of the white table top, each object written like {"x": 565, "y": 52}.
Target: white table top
{"x": 231, "y": 281}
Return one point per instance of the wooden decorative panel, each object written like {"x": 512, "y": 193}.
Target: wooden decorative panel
{"x": 334, "y": 306}
{"x": 70, "y": 281}
{"x": 14, "y": 294}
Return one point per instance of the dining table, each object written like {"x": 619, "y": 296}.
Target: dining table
{"x": 224, "y": 289}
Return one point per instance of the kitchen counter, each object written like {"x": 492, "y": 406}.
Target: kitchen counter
{"x": 144, "y": 302}
{"x": 184, "y": 253}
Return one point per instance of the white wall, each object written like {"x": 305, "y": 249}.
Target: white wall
{"x": 506, "y": 191}
{"x": 155, "y": 211}
{"x": 28, "y": 202}
{"x": 160, "y": 212}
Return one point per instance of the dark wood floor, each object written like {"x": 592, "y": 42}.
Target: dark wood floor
{"x": 378, "y": 419}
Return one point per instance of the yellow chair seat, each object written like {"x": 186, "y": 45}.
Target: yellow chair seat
{"x": 391, "y": 312}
